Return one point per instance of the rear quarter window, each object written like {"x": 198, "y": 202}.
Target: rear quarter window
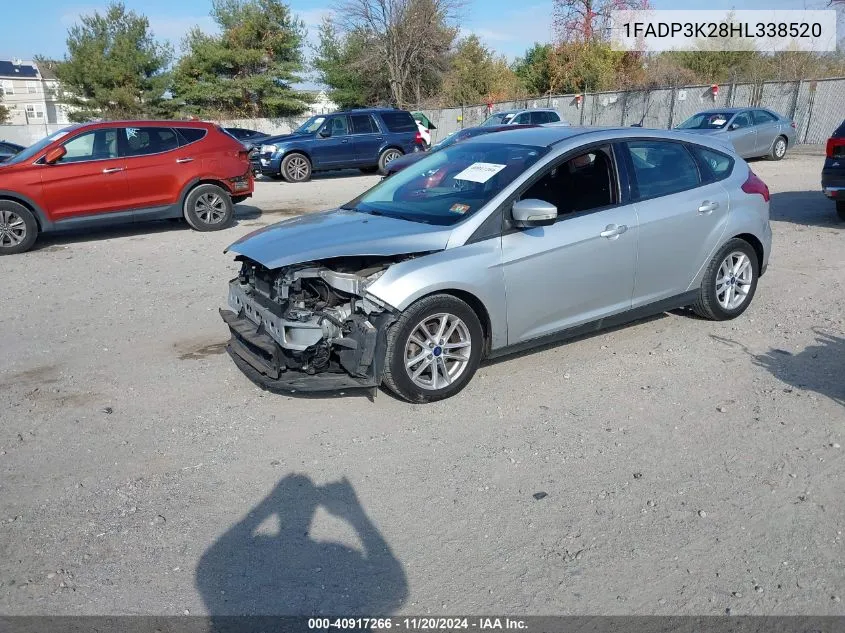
{"x": 190, "y": 134}
{"x": 713, "y": 165}
{"x": 399, "y": 121}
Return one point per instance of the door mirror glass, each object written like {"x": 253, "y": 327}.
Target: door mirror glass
{"x": 55, "y": 155}
{"x": 733, "y": 126}
{"x": 532, "y": 212}
{"x": 325, "y": 132}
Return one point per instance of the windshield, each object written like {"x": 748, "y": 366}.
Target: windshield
{"x": 450, "y": 185}
{"x": 498, "y": 118}
{"x": 32, "y": 150}
{"x": 706, "y": 121}
{"x": 311, "y": 125}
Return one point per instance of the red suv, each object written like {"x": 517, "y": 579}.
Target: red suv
{"x": 122, "y": 171}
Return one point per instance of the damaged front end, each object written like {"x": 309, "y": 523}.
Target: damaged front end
{"x": 310, "y": 326}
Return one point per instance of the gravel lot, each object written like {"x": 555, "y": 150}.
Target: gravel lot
{"x": 688, "y": 467}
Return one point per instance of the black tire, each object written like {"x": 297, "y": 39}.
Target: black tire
{"x": 388, "y": 155}
{"x": 778, "y": 148}
{"x": 397, "y": 377}
{"x": 369, "y": 170}
{"x": 708, "y": 304}
{"x": 208, "y": 208}
{"x": 296, "y": 167}
{"x": 840, "y": 209}
{"x": 18, "y": 228}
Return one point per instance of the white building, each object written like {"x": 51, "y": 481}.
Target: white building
{"x": 31, "y": 94}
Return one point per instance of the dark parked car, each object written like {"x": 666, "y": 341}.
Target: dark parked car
{"x": 365, "y": 139}
{"x": 7, "y": 150}
{"x": 833, "y": 172}
{"x": 250, "y": 138}
{"x": 456, "y": 137}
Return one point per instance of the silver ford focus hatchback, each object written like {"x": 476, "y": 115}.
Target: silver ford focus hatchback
{"x": 508, "y": 241}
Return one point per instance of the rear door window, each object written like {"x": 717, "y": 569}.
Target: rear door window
{"x": 363, "y": 124}
{"x": 143, "y": 141}
{"x": 713, "y": 165}
{"x": 661, "y": 168}
{"x": 399, "y": 121}
{"x": 761, "y": 117}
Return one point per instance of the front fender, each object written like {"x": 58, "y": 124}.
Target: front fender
{"x": 474, "y": 269}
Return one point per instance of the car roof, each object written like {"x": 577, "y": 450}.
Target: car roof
{"x": 146, "y": 123}
{"x": 548, "y": 136}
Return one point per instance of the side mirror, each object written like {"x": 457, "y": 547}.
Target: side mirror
{"x": 326, "y": 132}
{"x": 55, "y": 155}
{"x": 733, "y": 126}
{"x": 528, "y": 213}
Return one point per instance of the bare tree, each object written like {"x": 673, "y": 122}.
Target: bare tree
{"x": 588, "y": 20}
{"x": 407, "y": 38}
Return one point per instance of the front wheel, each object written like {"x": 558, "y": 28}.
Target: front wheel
{"x": 18, "y": 228}
{"x": 433, "y": 349}
{"x": 387, "y": 157}
{"x": 729, "y": 282}
{"x": 208, "y": 208}
{"x": 778, "y": 149}
{"x": 296, "y": 168}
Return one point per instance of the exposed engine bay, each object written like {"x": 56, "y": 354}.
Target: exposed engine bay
{"x": 310, "y": 318}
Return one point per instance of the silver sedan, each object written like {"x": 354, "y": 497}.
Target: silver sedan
{"x": 753, "y": 132}
{"x": 493, "y": 245}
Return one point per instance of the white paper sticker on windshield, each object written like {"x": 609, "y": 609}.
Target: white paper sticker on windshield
{"x": 480, "y": 172}
{"x": 719, "y": 121}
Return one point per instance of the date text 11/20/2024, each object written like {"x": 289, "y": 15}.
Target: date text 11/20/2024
{"x": 419, "y": 624}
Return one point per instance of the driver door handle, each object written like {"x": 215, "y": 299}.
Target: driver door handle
{"x": 112, "y": 170}
{"x": 708, "y": 207}
{"x": 184, "y": 160}
{"x": 612, "y": 230}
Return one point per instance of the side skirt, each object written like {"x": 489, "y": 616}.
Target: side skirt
{"x": 629, "y": 316}
{"x": 118, "y": 217}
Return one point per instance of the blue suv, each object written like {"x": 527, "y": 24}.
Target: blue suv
{"x": 364, "y": 139}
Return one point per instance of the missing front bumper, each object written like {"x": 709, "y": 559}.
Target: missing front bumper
{"x": 261, "y": 358}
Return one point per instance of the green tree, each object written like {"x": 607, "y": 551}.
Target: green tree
{"x": 340, "y": 62}
{"x": 585, "y": 65}
{"x": 249, "y": 68}
{"x": 476, "y": 75}
{"x": 114, "y": 68}
{"x": 535, "y": 69}
{"x": 4, "y": 111}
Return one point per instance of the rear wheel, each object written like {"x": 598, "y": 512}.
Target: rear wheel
{"x": 387, "y": 157}
{"x": 18, "y": 228}
{"x": 840, "y": 209}
{"x": 433, "y": 349}
{"x": 729, "y": 282}
{"x": 296, "y": 168}
{"x": 208, "y": 208}
{"x": 778, "y": 149}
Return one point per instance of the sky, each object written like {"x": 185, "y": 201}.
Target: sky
{"x": 506, "y": 26}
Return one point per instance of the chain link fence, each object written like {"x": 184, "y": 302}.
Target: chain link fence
{"x": 816, "y": 106}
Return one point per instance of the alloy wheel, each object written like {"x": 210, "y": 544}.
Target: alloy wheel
{"x": 438, "y": 351}
{"x": 12, "y": 228}
{"x": 297, "y": 168}
{"x": 733, "y": 282}
{"x": 210, "y": 208}
{"x": 780, "y": 148}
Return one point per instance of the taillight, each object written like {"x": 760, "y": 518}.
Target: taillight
{"x": 419, "y": 138}
{"x": 835, "y": 146}
{"x": 792, "y": 123}
{"x": 753, "y": 184}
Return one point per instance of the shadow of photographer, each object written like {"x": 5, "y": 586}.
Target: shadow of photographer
{"x": 250, "y": 571}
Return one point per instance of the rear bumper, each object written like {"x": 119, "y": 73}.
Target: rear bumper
{"x": 261, "y": 359}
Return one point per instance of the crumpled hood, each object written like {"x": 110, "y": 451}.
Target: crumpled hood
{"x": 338, "y": 233}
